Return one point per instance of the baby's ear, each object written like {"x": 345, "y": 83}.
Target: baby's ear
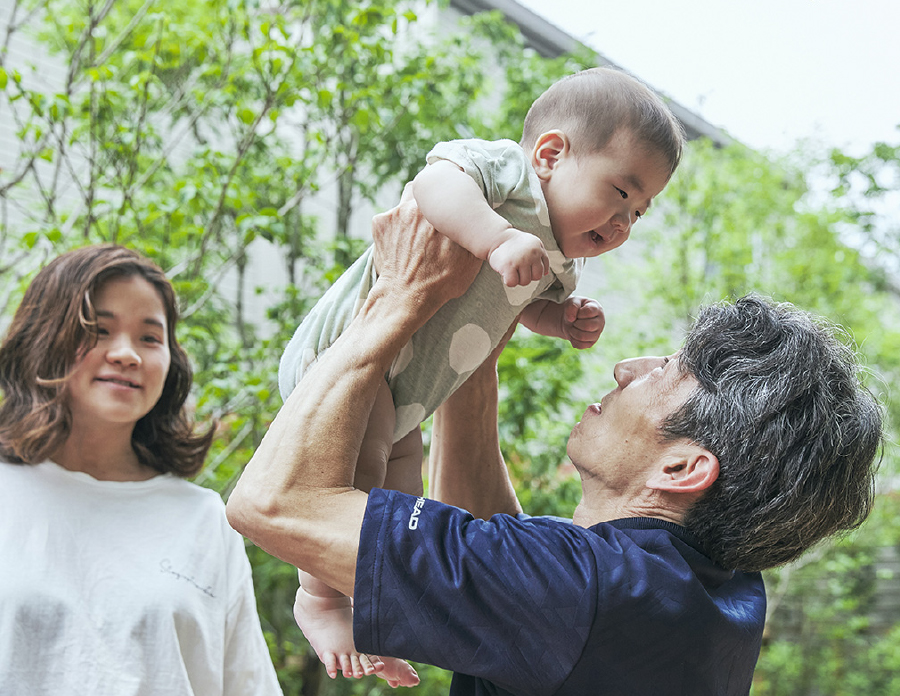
{"x": 549, "y": 149}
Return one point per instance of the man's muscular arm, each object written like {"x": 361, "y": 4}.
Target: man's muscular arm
{"x": 295, "y": 498}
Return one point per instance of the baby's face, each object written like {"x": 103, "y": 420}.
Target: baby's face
{"x": 595, "y": 198}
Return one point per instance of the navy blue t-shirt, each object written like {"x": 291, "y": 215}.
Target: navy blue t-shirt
{"x": 533, "y": 606}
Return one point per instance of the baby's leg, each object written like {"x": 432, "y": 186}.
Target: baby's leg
{"x": 375, "y": 450}
{"x": 397, "y": 467}
{"x": 404, "y": 473}
{"x": 325, "y": 615}
{"x": 404, "y": 468}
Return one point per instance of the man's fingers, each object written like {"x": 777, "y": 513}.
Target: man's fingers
{"x": 410, "y": 251}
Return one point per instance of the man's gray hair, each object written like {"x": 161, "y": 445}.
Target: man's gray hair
{"x": 798, "y": 437}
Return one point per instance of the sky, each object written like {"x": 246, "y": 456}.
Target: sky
{"x": 772, "y": 73}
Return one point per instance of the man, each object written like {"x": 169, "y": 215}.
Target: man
{"x": 700, "y": 469}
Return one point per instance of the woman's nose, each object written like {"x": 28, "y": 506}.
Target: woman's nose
{"x": 122, "y": 351}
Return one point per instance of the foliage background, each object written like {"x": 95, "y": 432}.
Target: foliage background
{"x": 199, "y": 133}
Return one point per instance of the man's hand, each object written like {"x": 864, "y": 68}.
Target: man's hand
{"x": 412, "y": 257}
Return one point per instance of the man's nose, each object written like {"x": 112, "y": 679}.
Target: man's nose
{"x": 627, "y": 371}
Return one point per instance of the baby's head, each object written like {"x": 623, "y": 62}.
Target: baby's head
{"x": 604, "y": 145}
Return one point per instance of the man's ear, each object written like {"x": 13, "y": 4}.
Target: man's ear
{"x": 549, "y": 149}
{"x": 688, "y": 468}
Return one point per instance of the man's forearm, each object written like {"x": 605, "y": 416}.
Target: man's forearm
{"x": 295, "y": 498}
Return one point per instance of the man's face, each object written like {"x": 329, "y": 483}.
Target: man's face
{"x": 618, "y": 440}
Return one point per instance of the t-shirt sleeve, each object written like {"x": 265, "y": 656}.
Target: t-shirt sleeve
{"x": 509, "y": 600}
{"x": 248, "y": 665}
{"x": 498, "y": 167}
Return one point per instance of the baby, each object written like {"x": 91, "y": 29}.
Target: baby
{"x": 597, "y": 147}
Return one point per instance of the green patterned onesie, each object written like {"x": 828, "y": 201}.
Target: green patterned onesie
{"x": 447, "y": 349}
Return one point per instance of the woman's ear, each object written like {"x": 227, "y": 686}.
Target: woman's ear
{"x": 548, "y": 150}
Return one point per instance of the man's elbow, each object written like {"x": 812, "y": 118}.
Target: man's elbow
{"x": 248, "y": 514}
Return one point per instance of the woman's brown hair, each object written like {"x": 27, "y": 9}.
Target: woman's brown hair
{"x": 53, "y": 325}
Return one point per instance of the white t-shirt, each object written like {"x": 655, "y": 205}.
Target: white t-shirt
{"x": 123, "y": 588}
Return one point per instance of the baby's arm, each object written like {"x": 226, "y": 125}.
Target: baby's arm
{"x": 452, "y": 202}
{"x": 578, "y": 320}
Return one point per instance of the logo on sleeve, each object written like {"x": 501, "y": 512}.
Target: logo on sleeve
{"x": 416, "y": 511}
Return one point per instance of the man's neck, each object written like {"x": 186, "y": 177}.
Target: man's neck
{"x": 594, "y": 509}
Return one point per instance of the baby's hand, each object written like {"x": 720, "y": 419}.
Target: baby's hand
{"x": 578, "y": 320}
{"x": 520, "y": 258}
{"x": 582, "y": 321}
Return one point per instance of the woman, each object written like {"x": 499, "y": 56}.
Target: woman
{"x": 119, "y": 577}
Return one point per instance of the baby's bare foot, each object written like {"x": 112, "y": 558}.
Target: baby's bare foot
{"x": 327, "y": 623}
{"x": 398, "y": 672}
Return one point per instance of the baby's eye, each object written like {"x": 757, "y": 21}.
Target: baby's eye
{"x": 621, "y": 192}
{"x": 638, "y": 215}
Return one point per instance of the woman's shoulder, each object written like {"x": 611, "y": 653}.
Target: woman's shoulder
{"x": 191, "y": 490}
{"x": 10, "y": 469}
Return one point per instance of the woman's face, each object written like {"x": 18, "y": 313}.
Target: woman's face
{"x": 120, "y": 379}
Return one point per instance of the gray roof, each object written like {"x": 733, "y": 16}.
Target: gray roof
{"x": 551, "y": 41}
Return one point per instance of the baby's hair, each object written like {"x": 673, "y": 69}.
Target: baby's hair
{"x": 591, "y": 105}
